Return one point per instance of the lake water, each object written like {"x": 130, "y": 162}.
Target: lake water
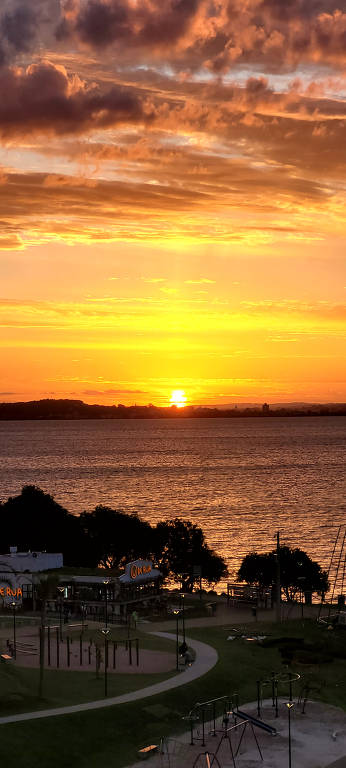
{"x": 241, "y": 480}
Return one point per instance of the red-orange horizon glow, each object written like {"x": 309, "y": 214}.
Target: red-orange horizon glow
{"x": 172, "y": 193}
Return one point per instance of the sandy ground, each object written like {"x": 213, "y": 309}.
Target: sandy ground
{"x": 149, "y": 661}
{"x": 318, "y": 739}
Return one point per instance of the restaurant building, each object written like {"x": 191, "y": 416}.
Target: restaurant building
{"x": 77, "y": 593}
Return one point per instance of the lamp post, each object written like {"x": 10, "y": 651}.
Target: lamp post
{"x": 105, "y": 633}
{"x": 176, "y": 614}
{"x": 83, "y": 608}
{"x": 61, "y": 602}
{"x": 13, "y": 606}
{"x": 182, "y": 603}
{"x": 106, "y": 582}
{"x": 289, "y": 706}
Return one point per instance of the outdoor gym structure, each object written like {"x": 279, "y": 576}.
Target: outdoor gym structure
{"x": 205, "y": 718}
{"x": 58, "y": 650}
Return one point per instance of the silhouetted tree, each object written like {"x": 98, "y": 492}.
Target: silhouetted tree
{"x": 297, "y": 571}
{"x": 35, "y": 521}
{"x": 180, "y": 545}
{"x": 113, "y": 538}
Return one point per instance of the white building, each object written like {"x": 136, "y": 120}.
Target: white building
{"x": 18, "y": 573}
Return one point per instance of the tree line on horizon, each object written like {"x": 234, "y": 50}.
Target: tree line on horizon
{"x": 108, "y": 538}
{"x": 50, "y": 409}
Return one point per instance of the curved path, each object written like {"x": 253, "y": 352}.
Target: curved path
{"x": 206, "y": 658}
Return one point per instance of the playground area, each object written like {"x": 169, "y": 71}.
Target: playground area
{"x": 315, "y": 739}
{"x": 80, "y": 650}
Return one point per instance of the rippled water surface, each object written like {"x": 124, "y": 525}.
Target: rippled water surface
{"x": 240, "y": 479}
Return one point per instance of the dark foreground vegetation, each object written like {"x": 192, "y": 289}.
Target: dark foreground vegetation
{"x": 105, "y": 537}
{"x": 76, "y": 409}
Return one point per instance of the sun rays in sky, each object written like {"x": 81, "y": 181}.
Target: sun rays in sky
{"x": 172, "y": 196}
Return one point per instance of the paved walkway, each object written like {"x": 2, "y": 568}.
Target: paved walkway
{"x": 206, "y": 658}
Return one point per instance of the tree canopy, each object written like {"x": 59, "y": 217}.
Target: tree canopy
{"x": 182, "y": 549}
{"x": 113, "y": 538}
{"x": 106, "y": 537}
{"x": 33, "y": 520}
{"x": 297, "y": 571}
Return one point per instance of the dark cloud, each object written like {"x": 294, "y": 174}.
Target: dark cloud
{"x": 273, "y": 34}
{"x": 100, "y": 23}
{"x": 103, "y": 22}
{"x": 44, "y": 98}
{"x": 19, "y": 27}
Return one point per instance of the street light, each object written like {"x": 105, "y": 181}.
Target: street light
{"x": 83, "y": 608}
{"x": 289, "y": 706}
{"x": 182, "y": 601}
{"x": 106, "y": 582}
{"x": 176, "y": 614}
{"x": 14, "y": 606}
{"x": 61, "y": 602}
{"x": 105, "y": 633}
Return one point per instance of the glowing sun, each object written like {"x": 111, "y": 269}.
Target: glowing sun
{"x": 178, "y": 398}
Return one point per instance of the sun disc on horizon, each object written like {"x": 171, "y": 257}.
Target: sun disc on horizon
{"x": 178, "y": 398}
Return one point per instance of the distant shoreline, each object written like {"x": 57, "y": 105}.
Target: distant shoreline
{"x": 69, "y": 410}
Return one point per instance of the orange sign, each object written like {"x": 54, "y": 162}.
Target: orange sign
{"x": 139, "y": 570}
{"x": 8, "y": 592}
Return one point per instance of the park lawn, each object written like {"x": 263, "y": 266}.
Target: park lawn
{"x": 19, "y": 685}
{"x": 62, "y": 688}
{"x": 113, "y": 735}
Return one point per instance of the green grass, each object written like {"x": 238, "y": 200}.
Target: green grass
{"x": 19, "y": 685}
{"x": 113, "y": 735}
{"x": 63, "y": 688}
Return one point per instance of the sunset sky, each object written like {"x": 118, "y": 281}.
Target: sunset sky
{"x": 172, "y": 200}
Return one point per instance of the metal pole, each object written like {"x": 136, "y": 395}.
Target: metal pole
{"x": 183, "y": 615}
{"x": 14, "y": 631}
{"x": 289, "y": 705}
{"x": 137, "y": 652}
{"x": 106, "y": 603}
{"x": 57, "y": 649}
{"x": 177, "y": 641}
{"x": 106, "y": 665}
{"x": 258, "y": 698}
{"x": 61, "y": 603}
{"x": 278, "y": 579}
{"x": 48, "y": 644}
{"x": 273, "y": 689}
